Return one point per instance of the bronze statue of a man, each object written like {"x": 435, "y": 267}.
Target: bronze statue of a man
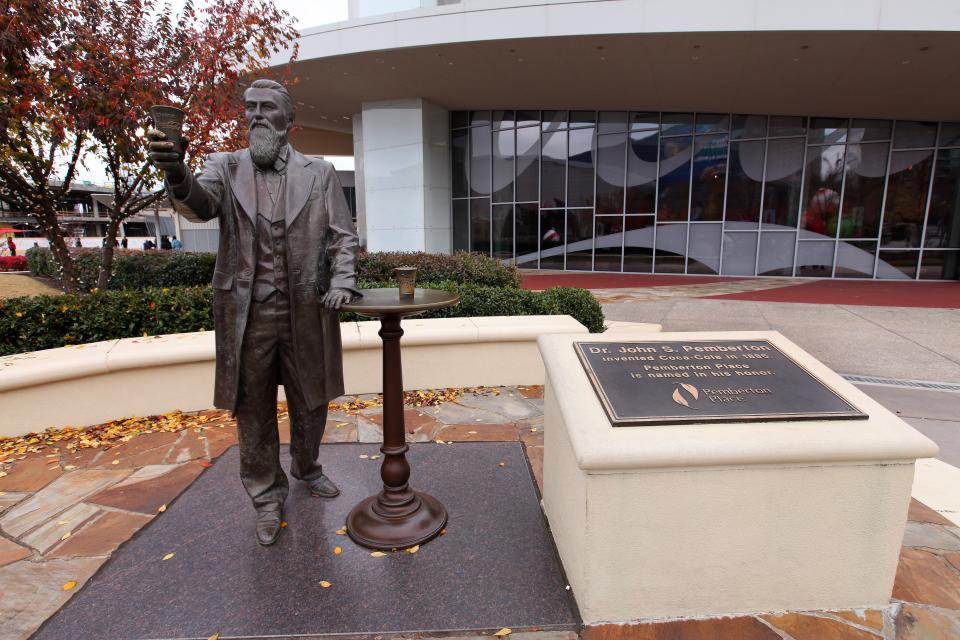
{"x": 286, "y": 263}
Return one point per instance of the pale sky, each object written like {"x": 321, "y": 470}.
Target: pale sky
{"x": 308, "y": 13}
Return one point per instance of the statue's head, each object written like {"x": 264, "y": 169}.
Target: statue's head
{"x": 269, "y": 113}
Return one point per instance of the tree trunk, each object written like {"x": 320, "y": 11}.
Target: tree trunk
{"x": 61, "y": 253}
{"x": 107, "y": 253}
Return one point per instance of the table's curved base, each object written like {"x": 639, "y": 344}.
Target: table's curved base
{"x": 368, "y": 528}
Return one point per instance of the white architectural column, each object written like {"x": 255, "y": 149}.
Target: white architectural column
{"x": 406, "y": 176}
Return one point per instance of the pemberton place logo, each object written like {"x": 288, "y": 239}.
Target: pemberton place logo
{"x": 687, "y": 395}
{"x": 682, "y": 392}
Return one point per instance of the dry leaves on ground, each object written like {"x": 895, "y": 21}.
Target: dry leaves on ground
{"x": 421, "y": 398}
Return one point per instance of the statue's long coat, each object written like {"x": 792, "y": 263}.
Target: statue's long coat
{"x": 321, "y": 253}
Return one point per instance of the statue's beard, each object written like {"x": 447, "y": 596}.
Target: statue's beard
{"x": 265, "y": 144}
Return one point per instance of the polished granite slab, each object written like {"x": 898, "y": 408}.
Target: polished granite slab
{"x": 495, "y": 567}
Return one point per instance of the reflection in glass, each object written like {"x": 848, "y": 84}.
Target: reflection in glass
{"x": 528, "y": 164}
{"x": 739, "y": 253}
{"x": 745, "y": 184}
{"x": 582, "y": 118}
{"x": 503, "y": 165}
{"x": 776, "y": 253}
{"x": 897, "y": 265}
{"x": 459, "y": 119}
{"x": 553, "y": 170}
{"x": 527, "y": 118}
{"x": 461, "y": 225}
{"x": 906, "y": 198}
{"x": 950, "y": 134}
{"x": 748, "y": 126}
{"x": 913, "y": 135}
{"x": 608, "y": 251}
{"x": 815, "y": 259}
{"x": 480, "y": 225}
{"x": 674, "y": 185}
{"x": 866, "y": 169}
{"x": 579, "y": 239}
{"x": 709, "y": 176}
{"x": 703, "y": 250}
{"x": 580, "y": 168}
{"x": 671, "y": 248}
{"x": 551, "y": 239}
{"x": 553, "y": 120}
{"x": 503, "y": 119}
{"x": 638, "y": 244}
{"x": 611, "y": 156}
{"x": 480, "y": 161}
{"x": 612, "y": 121}
{"x": 644, "y": 120}
{"x": 940, "y": 265}
{"x": 479, "y": 118}
{"x": 943, "y": 220}
{"x": 787, "y": 126}
{"x": 821, "y": 189}
{"x": 864, "y": 130}
{"x": 676, "y": 124}
{"x": 642, "y": 172}
{"x": 503, "y": 231}
{"x": 827, "y": 130}
{"x": 527, "y": 235}
{"x": 781, "y": 195}
{"x": 855, "y": 258}
{"x": 458, "y": 146}
{"x": 712, "y": 122}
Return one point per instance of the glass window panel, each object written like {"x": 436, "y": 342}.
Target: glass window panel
{"x": 855, "y": 259}
{"x": 676, "y": 124}
{"x": 503, "y": 142}
{"x": 638, "y": 244}
{"x": 703, "y": 250}
{"x": 739, "y": 253}
{"x": 644, "y": 120}
{"x": 551, "y": 239}
{"x": 943, "y": 221}
{"x": 461, "y": 225}
{"x": 814, "y": 259}
{"x": 712, "y": 122}
{"x": 709, "y": 176}
{"x": 608, "y": 249}
{"x": 670, "y": 256}
{"x": 776, "y": 253}
{"x": 745, "y": 183}
{"x": 480, "y": 225}
{"x": 528, "y": 164}
{"x": 906, "y": 198}
{"x": 527, "y": 118}
{"x": 458, "y": 146}
{"x": 459, "y": 119}
{"x": 866, "y": 169}
{"x": 503, "y": 119}
{"x": 949, "y": 134}
{"x": 480, "y": 161}
{"x": 583, "y": 118}
{"x": 827, "y": 130}
{"x": 553, "y": 120}
{"x": 674, "y": 184}
{"x": 642, "y": 155}
{"x": 611, "y": 157}
{"x": 913, "y": 135}
{"x": 748, "y": 126}
{"x": 503, "y": 231}
{"x": 553, "y": 170}
{"x": 579, "y": 239}
{"x": 787, "y": 126}
{"x": 940, "y": 265}
{"x": 781, "y": 196}
{"x": 479, "y": 118}
{"x": 897, "y": 265}
{"x": 863, "y": 130}
{"x": 580, "y": 173}
{"x": 612, "y": 121}
{"x": 528, "y": 235}
{"x": 821, "y": 189}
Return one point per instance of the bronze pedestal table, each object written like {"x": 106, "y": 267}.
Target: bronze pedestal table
{"x": 398, "y": 516}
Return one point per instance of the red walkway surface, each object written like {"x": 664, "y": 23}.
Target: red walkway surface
{"x": 934, "y": 295}
{"x": 613, "y": 280}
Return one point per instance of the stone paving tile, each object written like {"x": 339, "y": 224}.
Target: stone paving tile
{"x": 31, "y": 474}
{"x": 872, "y": 618}
{"x": 920, "y": 512}
{"x": 927, "y": 623}
{"x": 932, "y": 536}
{"x": 219, "y": 439}
{"x": 144, "y": 449}
{"x": 81, "y": 459}
{"x": 30, "y": 592}
{"x": 10, "y": 498}
{"x": 57, "y": 497}
{"x": 190, "y": 446}
{"x": 478, "y": 433}
{"x": 149, "y": 495}
{"x": 50, "y": 533}
{"x": 11, "y": 552}
{"x": 535, "y": 455}
{"x": 148, "y": 472}
{"x": 742, "y": 628}
{"x": 101, "y": 536}
{"x": 925, "y": 578}
{"x": 531, "y": 391}
{"x": 454, "y": 413}
{"x": 340, "y": 428}
{"x": 419, "y": 424}
{"x": 801, "y": 626}
{"x": 508, "y": 405}
{"x": 954, "y": 559}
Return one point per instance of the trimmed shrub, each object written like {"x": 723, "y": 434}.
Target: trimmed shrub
{"x": 13, "y": 263}
{"x": 40, "y": 262}
{"x": 474, "y": 268}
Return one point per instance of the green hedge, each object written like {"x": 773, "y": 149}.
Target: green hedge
{"x": 45, "y": 322}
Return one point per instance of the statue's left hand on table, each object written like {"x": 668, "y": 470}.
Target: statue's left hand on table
{"x": 335, "y": 298}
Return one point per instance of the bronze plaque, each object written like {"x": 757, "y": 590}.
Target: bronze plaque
{"x": 656, "y": 382}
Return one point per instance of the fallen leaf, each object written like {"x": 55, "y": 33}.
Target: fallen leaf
{"x": 443, "y": 532}
{"x": 503, "y": 632}
{"x": 168, "y": 556}
{"x": 62, "y": 522}
{"x": 414, "y": 549}
{"x": 161, "y": 508}
{"x": 206, "y": 464}
{"x": 115, "y": 462}
{"x": 502, "y": 464}
{"x": 65, "y": 536}
{"x": 337, "y": 550}
{"x": 283, "y": 523}
{"x": 439, "y": 441}
{"x": 473, "y": 433}
{"x": 534, "y": 429}
{"x": 215, "y": 636}
{"x": 342, "y": 531}
{"x": 69, "y": 467}
{"x": 374, "y": 457}
{"x": 69, "y": 585}
{"x": 325, "y": 584}
{"x": 364, "y": 456}
{"x": 377, "y": 554}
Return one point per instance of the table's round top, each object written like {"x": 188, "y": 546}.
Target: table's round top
{"x": 381, "y": 302}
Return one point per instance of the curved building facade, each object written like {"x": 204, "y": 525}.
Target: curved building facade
{"x": 743, "y": 138}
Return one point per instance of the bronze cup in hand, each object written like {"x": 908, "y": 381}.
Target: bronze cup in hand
{"x": 169, "y": 121}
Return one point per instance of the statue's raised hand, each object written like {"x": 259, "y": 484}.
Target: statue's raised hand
{"x": 166, "y": 156}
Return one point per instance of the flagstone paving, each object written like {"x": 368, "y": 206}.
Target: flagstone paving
{"x": 62, "y": 516}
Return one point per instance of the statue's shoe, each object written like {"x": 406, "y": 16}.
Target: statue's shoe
{"x": 323, "y": 487}
{"x": 268, "y": 526}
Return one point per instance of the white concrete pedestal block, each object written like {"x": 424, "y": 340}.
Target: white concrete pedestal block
{"x": 711, "y": 519}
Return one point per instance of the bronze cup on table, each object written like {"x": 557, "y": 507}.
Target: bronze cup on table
{"x": 406, "y": 280}
{"x": 169, "y": 121}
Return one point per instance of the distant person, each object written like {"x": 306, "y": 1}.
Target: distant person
{"x": 176, "y": 244}
{"x": 77, "y": 243}
{"x": 165, "y": 243}
{"x": 12, "y": 246}
{"x": 148, "y": 244}
{"x": 36, "y": 245}
{"x": 123, "y": 242}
